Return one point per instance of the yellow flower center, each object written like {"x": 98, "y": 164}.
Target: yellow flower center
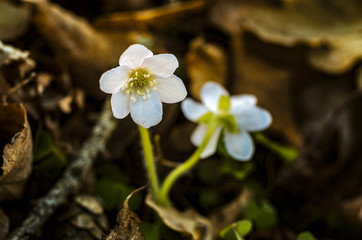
{"x": 139, "y": 82}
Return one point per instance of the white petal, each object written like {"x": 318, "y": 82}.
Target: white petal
{"x": 242, "y": 100}
{"x": 240, "y": 146}
{"x": 252, "y": 118}
{"x": 211, "y": 93}
{"x": 198, "y": 136}
{"x": 120, "y": 104}
{"x": 112, "y": 80}
{"x": 192, "y": 110}
{"x": 146, "y": 113}
{"x": 171, "y": 89}
{"x": 134, "y": 55}
{"x": 161, "y": 65}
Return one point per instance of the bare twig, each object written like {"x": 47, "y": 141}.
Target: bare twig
{"x": 70, "y": 181}
{"x": 17, "y": 87}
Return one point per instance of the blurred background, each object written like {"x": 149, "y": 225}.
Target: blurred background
{"x": 300, "y": 58}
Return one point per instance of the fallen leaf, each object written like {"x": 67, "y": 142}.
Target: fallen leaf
{"x": 87, "y": 51}
{"x": 333, "y": 30}
{"x": 43, "y": 80}
{"x": 15, "y": 68}
{"x": 83, "y": 217}
{"x": 155, "y": 17}
{"x": 204, "y": 62}
{"x": 189, "y": 223}
{"x": 128, "y": 223}
{"x": 75, "y": 96}
{"x": 4, "y": 225}
{"x": 17, "y": 145}
{"x": 14, "y": 19}
{"x": 90, "y": 203}
{"x": 271, "y": 83}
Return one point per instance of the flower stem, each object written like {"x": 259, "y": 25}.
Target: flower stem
{"x": 150, "y": 163}
{"x": 188, "y": 164}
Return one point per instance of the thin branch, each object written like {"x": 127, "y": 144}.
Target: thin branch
{"x": 71, "y": 179}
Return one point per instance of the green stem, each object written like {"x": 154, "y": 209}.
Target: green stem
{"x": 188, "y": 164}
{"x": 150, "y": 164}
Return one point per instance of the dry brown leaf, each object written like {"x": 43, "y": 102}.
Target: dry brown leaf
{"x": 128, "y": 223}
{"x": 75, "y": 96}
{"x": 204, "y": 62}
{"x": 17, "y": 145}
{"x": 270, "y": 83}
{"x": 332, "y": 29}
{"x": 4, "y": 225}
{"x": 43, "y": 80}
{"x": 14, "y": 19}
{"x": 156, "y": 17}
{"x": 15, "y": 72}
{"x": 89, "y": 203}
{"x": 87, "y": 51}
{"x": 189, "y": 223}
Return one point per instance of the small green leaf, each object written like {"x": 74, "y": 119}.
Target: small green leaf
{"x": 228, "y": 233}
{"x": 50, "y": 160}
{"x": 237, "y": 230}
{"x": 244, "y": 227}
{"x": 113, "y": 194}
{"x": 224, "y": 103}
{"x": 263, "y": 215}
{"x": 306, "y": 236}
{"x": 112, "y": 171}
{"x": 44, "y": 146}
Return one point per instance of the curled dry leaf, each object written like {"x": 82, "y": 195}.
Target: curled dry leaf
{"x": 155, "y": 17}
{"x": 128, "y": 223}
{"x": 14, "y": 19}
{"x": 17, "y": 145}
{"x": 205, "y": 62}
{"x": 4, "y": 225}
{"x": 87, "y": 51}
{"x": 189, "y": 223}
{"x": 15, "y": 68}
{"x": 332, "y": 29}
{"x": 89, "y": 203}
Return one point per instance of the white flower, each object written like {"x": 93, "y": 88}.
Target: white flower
{"x": 238, "y": 115}
{"x": 140, "y": 83}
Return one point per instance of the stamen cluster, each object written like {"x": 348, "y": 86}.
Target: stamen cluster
{"x": 139, "y": 82}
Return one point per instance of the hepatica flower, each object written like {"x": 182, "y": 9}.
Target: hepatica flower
{"x": 236, "y": 116}
{"x": 140, "y": 83}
